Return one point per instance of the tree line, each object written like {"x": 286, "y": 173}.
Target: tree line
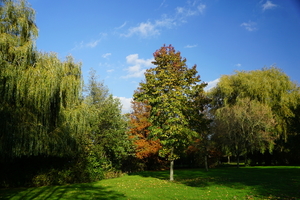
{"x": 54, "y": 129}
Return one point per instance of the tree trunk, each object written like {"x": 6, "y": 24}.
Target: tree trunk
{"x": 171, "y": 170}
{"x": 238, "y": 160}
{"x": 206, "y": 164}
{"x": 228, "y": 159}
{"x": 172, "y": 165}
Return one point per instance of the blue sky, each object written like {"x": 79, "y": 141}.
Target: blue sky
{"x": 118, "y": 38}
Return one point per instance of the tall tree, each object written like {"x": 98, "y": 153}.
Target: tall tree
{"x": 168, "y": 88}
{"x": 40, "y": 97}
{"x": 199, "y": 120}
{"x": 37, "y": 91}
{"x": 245, "y": 127}
{"x": 17, "y": 35}
{"x": 108, "y": 125}
{"x": 270, "y": 86}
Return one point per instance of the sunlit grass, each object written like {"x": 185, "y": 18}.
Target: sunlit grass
{"x": 219, "y": 183}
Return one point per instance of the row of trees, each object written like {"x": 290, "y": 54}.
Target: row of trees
{"x": 257, "y": 110}
{"x": 61, "y": 130}
{"x": 53, "y": 128}
{"x": 254, "y": 114}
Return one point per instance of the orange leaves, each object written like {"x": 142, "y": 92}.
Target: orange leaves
{"x": 139, "y": 125}
{"x": 147, "y": 148}
{"x": 139, "y": 119}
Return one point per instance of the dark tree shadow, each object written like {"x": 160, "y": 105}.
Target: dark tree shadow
{"x": 276, "y": 182}
{"x": 74, "y": 191}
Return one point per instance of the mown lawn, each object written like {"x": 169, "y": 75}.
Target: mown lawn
{"x": 220, "y": 183}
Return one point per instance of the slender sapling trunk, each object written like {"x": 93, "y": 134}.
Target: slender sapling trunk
{"x": 205, "y": 160}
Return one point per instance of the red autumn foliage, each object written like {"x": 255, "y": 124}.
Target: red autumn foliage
{"x": 146, "y": 148}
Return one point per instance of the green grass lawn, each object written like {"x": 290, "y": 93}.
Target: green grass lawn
{"x": 219, "y": 183}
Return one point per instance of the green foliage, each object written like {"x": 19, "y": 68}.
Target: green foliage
{"x": 36, "y": 90}
{"x": 17, "y": 34}
{"x": 43, "y": 114}
{"x": 107, "y": 124}
{"x": 245, "y": 127}
{"x": 35, "y": 103}
{"x": 169, "y": 89}
{"x": 269, "y": 86}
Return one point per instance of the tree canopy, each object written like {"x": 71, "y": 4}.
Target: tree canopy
{"x": 169, "y": 88}
{"x": 269, "y": 86}
{"x": 235, "y": 103}
{"x": 37, "y": 90}
{"x": 245, "y": 127}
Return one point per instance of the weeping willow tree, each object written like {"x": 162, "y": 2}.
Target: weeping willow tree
{"x": 39, "y": 94}
{"x": 270, "y": 86}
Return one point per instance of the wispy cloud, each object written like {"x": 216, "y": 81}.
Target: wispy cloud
{"x": 148, "y": 29}
{"x": 154, "y": 28}
{"x": 126, "y": 104}
{"x": 268, "y": 5}
{"x": 123, "y": 25}
{"x": 143, "y": 29}
{"x": 106, "y": 55}
{"x": 249, "y": 26}
{"x": 162, "y": 4}
{"x": 191, "y": 46}
{"x": 201, "y": 8}
{"x": 211, "y": 84}
{"x": 91, "y": 44}
{"x": 138, "y": 66}
{"x": 191, "y": 10}
{"x": 107, "y": 65}
{"x": 238, "y": 65}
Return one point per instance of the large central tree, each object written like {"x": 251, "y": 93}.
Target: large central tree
{"x": 169, "y": 89}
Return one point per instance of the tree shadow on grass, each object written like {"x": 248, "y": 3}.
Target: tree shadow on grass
{"x": 74, "y": 191}
{"x": 276, "y": 182}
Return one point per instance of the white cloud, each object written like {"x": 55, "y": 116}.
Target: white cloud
{"x": 143, "y": 29}
{"x": 91, "y": 44}
{"x": 165, "y": 22}
{"x": 106, "y": 55}
{"x": 191, "y": 46}
{"x": 201, "y": 8}
{"x": 191, "y": 10}
{"x": 238, "y": 65}
{"x": 138, "y": 67}
{"x": 148, "y": 29}
{"x": 268, "y": 5}
{"x": 162, "y": 4}
{"x": 110, "y": 70}
{"x": 180, "y": 10}
{"x": 124, "y": 24}
{"x": 211, "y": 84}
{"x": 250, "y": 26}
{"x": 126, "y": 104}
{"x": 104, "y": 64}
{"x": 79, "y": 46}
